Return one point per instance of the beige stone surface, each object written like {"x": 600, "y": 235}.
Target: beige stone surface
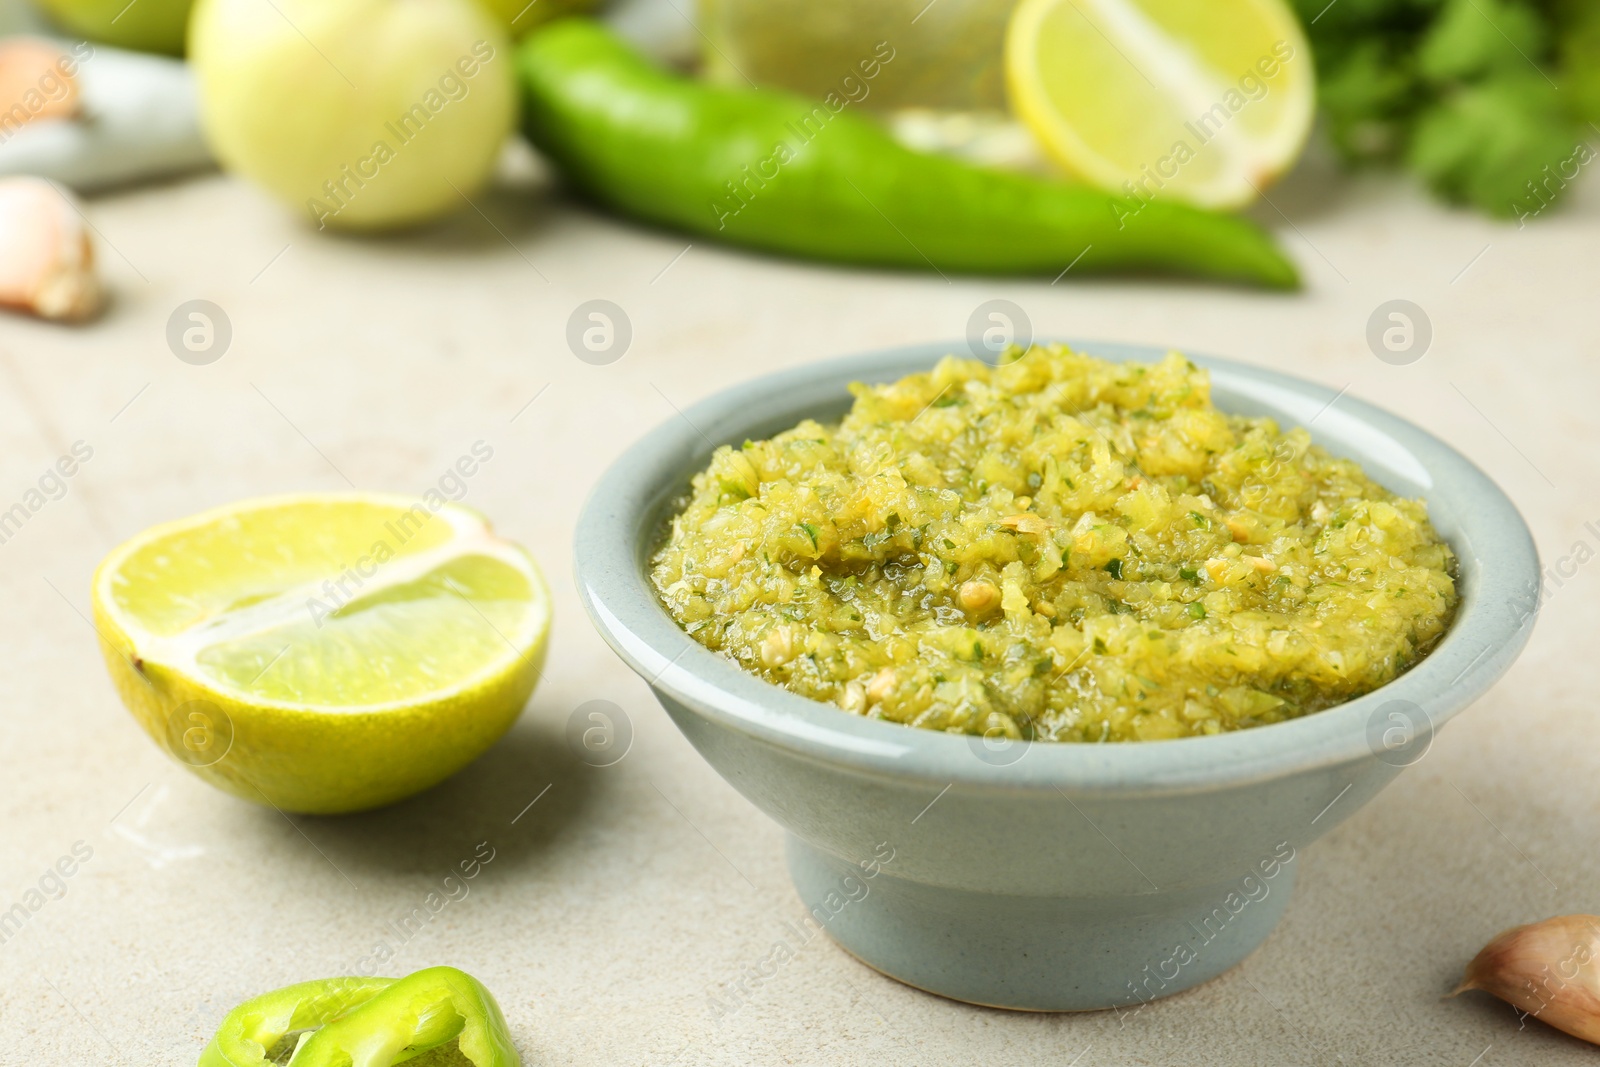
{"x": 625, "y": 895}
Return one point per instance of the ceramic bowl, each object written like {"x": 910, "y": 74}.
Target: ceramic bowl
{"x": 1051, "y": 876}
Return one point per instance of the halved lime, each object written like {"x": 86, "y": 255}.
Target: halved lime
{"x": 1203, "y": 102}
{"x": 323, "y": 653}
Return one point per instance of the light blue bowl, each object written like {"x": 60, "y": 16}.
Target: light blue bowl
{"x": 1051, "y": 876}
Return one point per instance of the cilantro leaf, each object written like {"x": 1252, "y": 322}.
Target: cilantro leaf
{"x": 1501, "y": 145}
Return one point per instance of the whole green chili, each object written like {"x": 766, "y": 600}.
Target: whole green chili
{"x": 773, "y": 171}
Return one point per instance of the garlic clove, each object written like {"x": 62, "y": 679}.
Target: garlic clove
{"x": 1549, "y": 969}
{"x": 46, "y": 255}
{"x": 34, "y": 83}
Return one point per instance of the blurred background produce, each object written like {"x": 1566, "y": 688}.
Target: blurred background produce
{"x": 1073, "y": 73}
{"x": 670, "y": 150}
{"x": 521, "y": 16}
{"x": 377, "y": 114}
{"x": 40, "y": 76}
{"x": 46, "y": 252}
{"x": 950, "y": 51}
{"x": 1487, "y": 101}
{"x": 1208, "y": 104}
{"x": 94, "y": 117}
{"x": 144, "y": 25}
{"x": 395, "y": 117}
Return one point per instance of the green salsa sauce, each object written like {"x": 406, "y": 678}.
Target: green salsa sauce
{"x": 1058, "y": 548}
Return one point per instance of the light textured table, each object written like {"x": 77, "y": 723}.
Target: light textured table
{"x": 625, "y": 896}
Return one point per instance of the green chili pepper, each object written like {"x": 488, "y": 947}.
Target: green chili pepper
{"x": 773, "y": 171}
{"x": 364, "y": 1022}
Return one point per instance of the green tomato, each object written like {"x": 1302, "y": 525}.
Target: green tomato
{"x": 363, "y": 114}
{"x": 145, "y": 26}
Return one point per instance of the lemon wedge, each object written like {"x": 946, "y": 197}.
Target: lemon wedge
{"x": 323, "y": 653}
{"x": 1202, "y": 102}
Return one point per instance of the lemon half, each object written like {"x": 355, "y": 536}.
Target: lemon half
{"x": 1202, "y": 102}
{"x": 323, "y": 653}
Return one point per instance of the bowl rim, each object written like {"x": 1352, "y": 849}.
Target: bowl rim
{"x": 1499, "y": 584}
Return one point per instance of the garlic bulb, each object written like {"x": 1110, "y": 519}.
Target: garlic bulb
{"x": 1549, "y": 969}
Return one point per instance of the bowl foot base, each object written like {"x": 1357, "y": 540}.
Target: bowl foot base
{"x": 1038, "y": 953}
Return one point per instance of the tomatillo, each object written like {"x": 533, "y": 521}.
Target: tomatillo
{"x": 364, "y": 114}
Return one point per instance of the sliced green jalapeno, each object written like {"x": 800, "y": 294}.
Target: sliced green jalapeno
{"x": 365, "y": 1022}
